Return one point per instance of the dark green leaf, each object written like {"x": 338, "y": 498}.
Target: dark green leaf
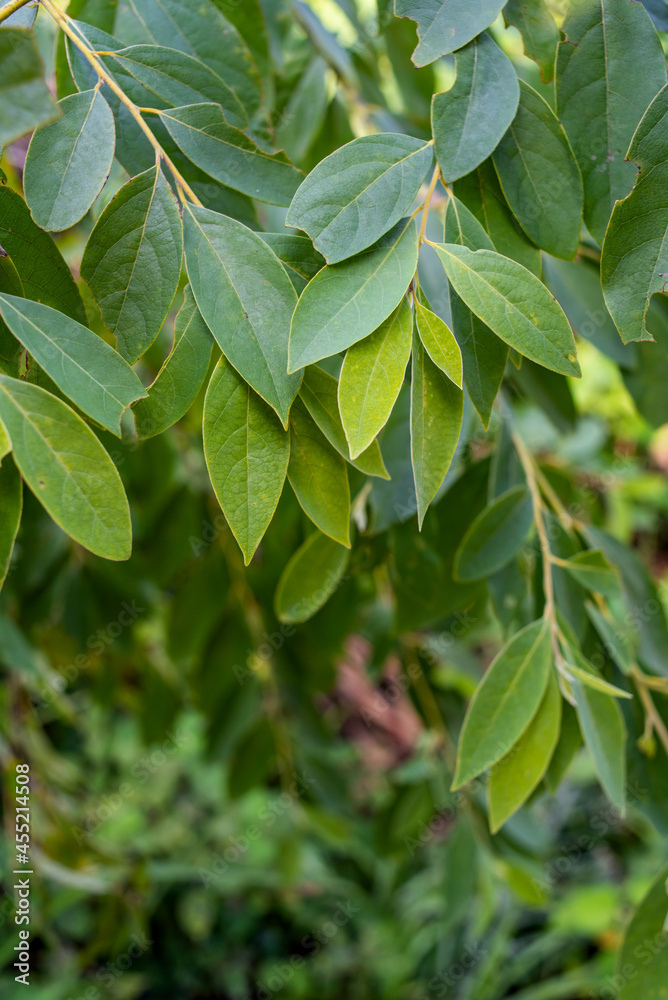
{"x": 25, "y": 101}
{"x": 495, "y": 536}
{"x": 645, "y": 946}
{"x": 540, "y": 35}
{"x": 318, "y": 476}
{"x": 570, "y": 741}
{"x": 604, "y": 734}
{"x": 10, "y": 284}
{"x": 446, "y": 25}
{"x": 310, "y": 578}
{"x": 593, "y": 571}
{"x": 11, "y": 505}
{"x": 298, "y": 256}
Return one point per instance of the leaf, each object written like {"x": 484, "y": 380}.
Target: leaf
{"x": 246, "y": 452}
{"x": 658, "y": 11}
{"x": 310, "y": 578}
{"x": 609, "y": 69}
{"x": 67, "y": 468}
{"x": 439, "y": 343}
{"x": 318, "y": 476}
{"x": 44, "y": 274}
{"x": 594, "y": 681}
{"x": 371, "y": 376}
{"x": 540, "y": 34}
{"x": 319, "y": 394}
{"x": 132, "y": 261}
{"x": 181, "y": 376}
{"x": 229, "y": 155}
{"x": 87, "y": 370}
{"x": 24, "y": 17}
{"x": 514, "y": 304}
{"x": 495, "y": 536}
{"x": 11, "y": 284}
{"x": 484, "y": 355}
{"x": 505, "y": 701}
{"x": 469, "y": 120}
{"x": 540, "y": 177}
{"x": 346, "y": 302}
{"x": 644, "y": 949}
{"x": 68, "y": 161}
{"x": 179, "y": 79}
{"x": 604, "y": 734}
{"x": 11, "y": 506}
{"x": 359, "y": 192}
{"x": 515, "y": 776}
{"x": 619, "y": 640}
{"x": 297, "y": 254}
{"x": 593, "y": 571}
{"x": 570, "y": 741}
{"x": 437, "y": 408}
{"x": 446, "y": 25}
{"x": 246, "y": 299}
{"x": 25, "y": 101}
{"x": 302, "y": 117}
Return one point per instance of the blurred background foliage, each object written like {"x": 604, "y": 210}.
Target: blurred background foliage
{"x": 223, "y": 806}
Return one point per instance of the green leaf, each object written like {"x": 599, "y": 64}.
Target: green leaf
{"x": 484, "y": 355}
{"x": 10, "y": 284}
{"x": 319, "y": 394}
{"x": 11, "y": 506}
{"x": 179, "y": 79}
{"x": 67, "y": 468}
{"x": 515, "y": 776}
{"x": 298, "y": 256}
{"x": 506, "y": 701}
{"x": 132, "y": 261}
{"x": 439, "y": 343}
{"x": 229, "y": 155}
{"x": 591, "y": 679}
{"x": 302, "y": 118}
{"x": 593, "y": 571}
{"x": 604, "y": 734}
{"x": 446, "y": 25}
{"x": 87, "y": 370}
{"x": 618, "y": 637}
{"x": 609, "y": 68}
{"x": 310, "y": 578}
{"x": 495, "y": 536}
{"x": 246, "y": 452}
{"x": 318, "y": 476}
{"x": 469, "y": 120}
{"x": 437, "y": 409}
{"x": 540, "y": 177}
{"x": 371, "y": 376}
{"x": 44, "y": 274}
{"x": 247, "y": 300}
{"x": 25, "y": 101}
{"x": 68, "y": 161}
{"x": 570, "y": 741}
{"x": 514, "y": 304}
{"x": 346, "y": 302}
{"x": 359, "y": 192}
{"x": 645, "y": 946}
{"x": 24, "y": 17}
{"x": 539, "y": 31}
{"x": 181, "y": 376}
{"x": 481, "y": 192}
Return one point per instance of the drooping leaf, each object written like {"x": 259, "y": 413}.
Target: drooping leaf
{"x": 446, "y": 25}
{"x": 182, "y": 375}
{"x": 506, "y": 701}
{"x": 484, "y": 355}
{"x": 302, "y": 117}
{"x": 540, "y": 177}
{"x": 469, "y": 120}
{"x": 298, "y": 256}
{"x": 319, "y": 393}
{"x": 346, "y": 302}
{"x": 593, "y": 571}
{"x": 68, "y": 161}
{"x": 437, "y": 408}
{"x": 318, "y": 475}
{"x": 229, "y": 155}
{"x": 590, "y": 678}
{"x": 371, "y": 376}
{"x": 495, "y": 536}
{"x": 359, "y": 192}
{"x": 246, "y": 452}
{"x": 11, "y": 506}
{"x": 439, "y": 343}
{"x": 247, "y": 300}
{"x": 132, "y": 261}
{"x": 514, "y": 304}
{"x": 44, "y": 274}
{"x": 25, "y": 101}
{"x": 604, "y": 734}
{"x": 570, "y": 741}
{"x": 618, "y": 637}
{"x": 514, "y": 777}
{"x": 609, "y": 67}
{"x": 645, "y": 946}
{"x": 310, "y": 578}
{"x": 88, "y": 370}
{"x": 540, "y": 35}
{"x": 66, "y": 468}
{"x": 10, "y": 284}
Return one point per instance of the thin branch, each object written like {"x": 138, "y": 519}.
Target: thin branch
{"x": 11, "y": 8}
{"x": 427, "y": 203}
{"x": 653, "y": 718}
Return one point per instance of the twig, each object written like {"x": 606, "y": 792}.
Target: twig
{"x": 11, "y": 8}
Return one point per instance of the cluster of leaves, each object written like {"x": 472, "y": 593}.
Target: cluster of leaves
{"x": 375, "y": 279}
